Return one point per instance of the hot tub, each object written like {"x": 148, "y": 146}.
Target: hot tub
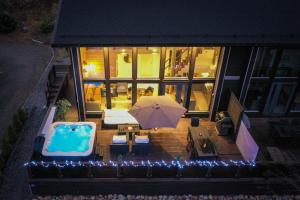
{"x": 70, "y": 139}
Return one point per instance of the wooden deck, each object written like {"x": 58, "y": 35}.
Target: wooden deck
{"x": 169, "y": 143}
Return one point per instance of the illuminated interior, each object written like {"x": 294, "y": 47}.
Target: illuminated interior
{"x": 206, "y": 62}
{"x": 177, "y": 92}
{"x": 147, "y": 89}
{"x": 148, "y": 62}
{"x": 120, "y": 62}
{"x": 95, "y": 100}
{"x": 92, "y": 63}
{"x": 177, "y": 62}
{"x": 121, "y": 95}
{"x": 201, "y": 97}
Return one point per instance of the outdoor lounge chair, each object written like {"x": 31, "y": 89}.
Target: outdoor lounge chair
{"x": 141, "y": 148}
{"x": 119, "y": 147}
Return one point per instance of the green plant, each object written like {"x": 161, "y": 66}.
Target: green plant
{"x": 47, "y": 25}
{"x": 17, "y": 124}
{"x": 7, "y": 23}
{"x": 22, "y": 115}
{"x": 63, "y": 106}
{"x": 6, "y": 149}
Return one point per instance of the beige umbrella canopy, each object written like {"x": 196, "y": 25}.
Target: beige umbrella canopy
{"x": 156, "y": 112}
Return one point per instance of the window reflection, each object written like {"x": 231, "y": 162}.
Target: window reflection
{"x": 206, "y": 62}
{"x": 148, "y": 62}
{"x": 265, "y": 62}
{"x": 177, "y": 62}
{"x": 289, "y": 63}
{"x": 121, "y": 95}
{"x": 147, "y": 89}
{"x": 201, "y": 96}
{"x": 254, "y": 100}
{"x": 92, "y": 63}
{"x": 120, "y": 62}
{"x": 95, "y": 97}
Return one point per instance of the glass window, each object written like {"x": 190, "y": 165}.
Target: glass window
{"x": 289, "y": 65}
{"x": 121, "y": 95}
{"x": 201, "y": 96}
{"x": 92, "y": 63}
{"x": 206, "y": 62}
{"x": 147, "y": 89}
{"x": 120, "y": 62}
{"x": 177, "y": 62}
{"x": 148, "y": 62}
{"x": 255, "y": 94}
{"x": 296, "y": 103}
{"x": 95, "y": 97}
{"x": 265, "y": 62}
{"x": 176, "y": 92}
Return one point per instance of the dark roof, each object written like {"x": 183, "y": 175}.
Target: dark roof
{"x": 177, "y": 22}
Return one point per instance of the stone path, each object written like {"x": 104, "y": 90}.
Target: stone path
{"x": 14, "y": 180}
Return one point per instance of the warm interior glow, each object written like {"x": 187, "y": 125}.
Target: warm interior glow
{"x": 206, "y": 61}
{"x": 92, "y": 62}
{"x": 148, "y": 63}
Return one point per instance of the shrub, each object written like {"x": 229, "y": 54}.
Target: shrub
{"x": 7, "y": 23}
{"x": 6, "y": 149}
{"x": 22, "y": 114}
{"x": 11, "y": 134}
{"x": 47, "y": 25}
{"x": 17, "y": 124}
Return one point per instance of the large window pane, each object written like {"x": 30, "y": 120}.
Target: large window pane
{"x": 120, "y": 62}
{"x": 92, "y": 63}
{"x": 147, "y": 89}
{"x": 177, "y": 92}
{"x": 95, "y": 99}
{"x": 265, "y": 62}
{"x": 254, "y": 99}
{"x": 121, "y": 95}
{"x": 148, "y": 62}
{"x": 296, "y": 103}
{"x": 206, "y": 62}
{"x": 289, "y": 64}
{"x": 201, "y": 96}
{"x": 177, "y": 62}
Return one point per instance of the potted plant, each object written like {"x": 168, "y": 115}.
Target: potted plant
{"x": 63, "y": 106}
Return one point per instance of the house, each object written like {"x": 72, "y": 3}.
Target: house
{"x": 193, "y": 51}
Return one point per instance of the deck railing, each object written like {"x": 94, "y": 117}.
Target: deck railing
{"x": 157, "y": 169}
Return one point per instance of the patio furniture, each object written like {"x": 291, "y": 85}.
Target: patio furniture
{"x": 119, "y": 145}
{"x": 128, "y": 129}
{"x": 141, "y": 145}
{"x": 113, "y": 118}
{"x": 200, "y": 145}
{"x": 195, "y": 121}
{"x": 157, "y": 111}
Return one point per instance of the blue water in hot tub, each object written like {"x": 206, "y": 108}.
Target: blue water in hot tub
{"x": 68, "y": 138}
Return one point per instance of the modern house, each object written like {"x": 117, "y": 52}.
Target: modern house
{"x": 208, "y": 56}
{"x": 193, "y": 51}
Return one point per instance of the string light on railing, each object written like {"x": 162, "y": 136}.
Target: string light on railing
{"x": 148, "y": 163}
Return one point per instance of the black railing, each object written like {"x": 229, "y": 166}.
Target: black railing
{"x": 159, "y": 169}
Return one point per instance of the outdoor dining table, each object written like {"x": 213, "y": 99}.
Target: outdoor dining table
{"x": 196, "y": 136}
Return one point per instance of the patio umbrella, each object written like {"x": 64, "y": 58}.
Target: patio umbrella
{"x": 156, "y": 112}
